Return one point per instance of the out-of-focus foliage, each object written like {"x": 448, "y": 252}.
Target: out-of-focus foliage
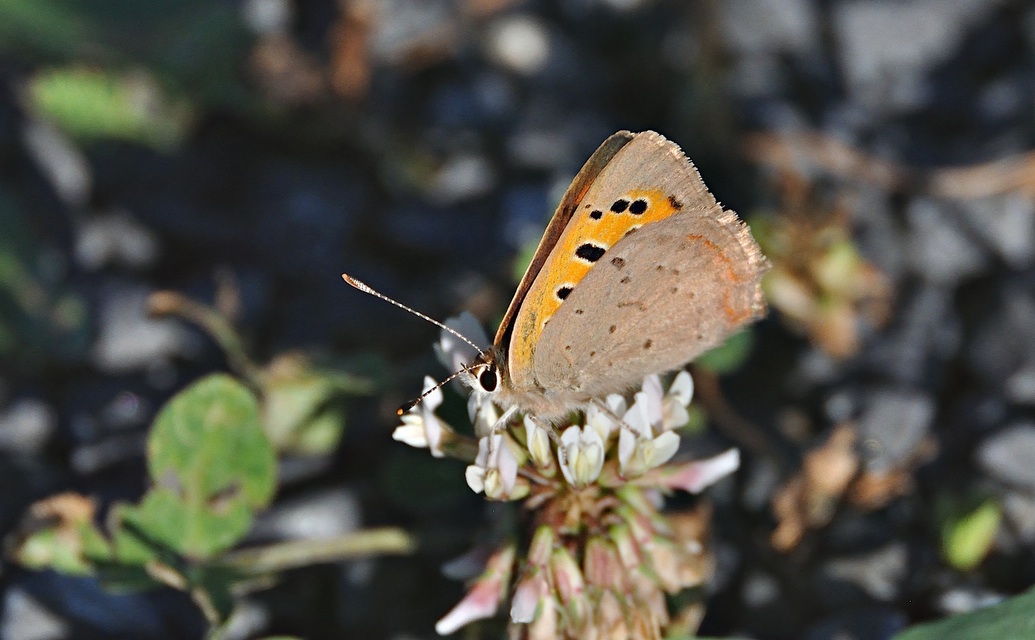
{"x": 41, "y": 320}
{"x": 1011, "y": 619}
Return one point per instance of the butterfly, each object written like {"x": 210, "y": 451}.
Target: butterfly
{"x": 639, "y": 271}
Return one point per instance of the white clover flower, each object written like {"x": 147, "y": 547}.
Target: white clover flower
{"x": 454, "y": 353}
{"x": 421, "y": 428}
{"x": 494, "y": 471}
{"x": 583, "y": 455}
{"x": 673, "y": 406}
{"x": 639, "y": 450}
{"x": 538, "y": 443}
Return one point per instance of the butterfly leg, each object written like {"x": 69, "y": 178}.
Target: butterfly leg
{"x": 606, "y": 410}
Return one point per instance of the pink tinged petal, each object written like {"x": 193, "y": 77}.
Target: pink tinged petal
{"x": 484, "y": 597}
{"x": 529, "y": 593}
{"x": 694, "y": 477}
{"x": 628, "y": 550}
{"x": 567, "y": 577}
{"x": 542, "y": 546}
{"x": 544, "y": 627}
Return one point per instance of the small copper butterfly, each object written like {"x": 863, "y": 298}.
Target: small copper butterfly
{"x": 639, "y": 271}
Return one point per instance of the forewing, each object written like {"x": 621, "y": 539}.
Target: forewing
{"x": 569, "y": 203}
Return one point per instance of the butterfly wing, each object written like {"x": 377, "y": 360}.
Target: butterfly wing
{"x": 661, "y": 275}
{"x": 569, "y": 203}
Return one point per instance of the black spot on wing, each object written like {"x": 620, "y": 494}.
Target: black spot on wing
{"x": 676, "y": 204}
{"x": 596, "y": 214}
{"x": 638, "y": 207}
{"x": 618, "y": 261}
{"x": 619, "y": 206}
{"x": 590, "y": 252}
{"x": 563, "y": 292}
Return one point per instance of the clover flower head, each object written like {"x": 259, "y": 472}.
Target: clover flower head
{"x": 602, "y": 555}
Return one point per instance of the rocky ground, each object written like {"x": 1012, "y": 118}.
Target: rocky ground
{"x": 247, "y": 153}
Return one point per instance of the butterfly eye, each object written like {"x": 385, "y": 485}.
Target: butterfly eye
{"x": 489, "y": 379}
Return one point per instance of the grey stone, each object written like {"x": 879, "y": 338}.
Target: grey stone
{"x": 1007, "y": 223}
{"x": 878, "y": 573}
{"x": 129, "y": 340}
{"x": 26, "y": 426}
{"x": 115, "y": 239}
{"x": 1009, "y": 455}
{"x": 754, "y": 26}
{"x": 888, "y": 46}
{"x": 1002, "y": 350}
{"x": 925, "y": 334}
{"x": 26, "y": 618}
{"x": 940, "y": 248}
{"x": 892, "y": 425}
{"x": 323, "y": 514}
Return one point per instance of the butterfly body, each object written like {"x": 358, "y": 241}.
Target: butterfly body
{"x": 639, "y": 271}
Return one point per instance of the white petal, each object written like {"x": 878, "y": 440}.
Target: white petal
{"x": 652, "y": 387}
{"x": 682, "y": 388}
{"x": 637, "y": 417}
{"x": 475, "y": 477}
{"x": 434, "y": 399}
{"x": 626, "y": 446}
{"x": 507, "y": 465}
{"x": 411, "y": 434}
{"x": 616, "y": 404}
{"x": 664, "y": 447}
{"x": 674, "y": 414}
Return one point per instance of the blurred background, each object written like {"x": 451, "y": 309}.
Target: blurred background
{"x": 235, "y": 156}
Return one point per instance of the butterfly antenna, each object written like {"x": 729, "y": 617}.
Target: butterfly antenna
{"x": 413, "y": 403}
{"x": 365, "y": 288}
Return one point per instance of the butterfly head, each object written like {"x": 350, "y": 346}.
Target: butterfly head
{"x": 485, "y": 373}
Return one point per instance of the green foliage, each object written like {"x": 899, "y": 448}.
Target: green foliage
{"x": 91, "y": 104}
{"x": 303, "y": 407}
{"x": 1012, "y": 619}
{"x": 968, "y": 530}
{"x": 729, "y": 355}
{"x": 193, "y": 47}
{"x": 212, "y": 466}
{"x": 41, "y": 321}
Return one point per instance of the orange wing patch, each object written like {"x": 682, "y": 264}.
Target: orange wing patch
{"x": 594, "y": 229}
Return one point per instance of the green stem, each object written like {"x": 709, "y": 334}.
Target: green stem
{"x": 300, "y": 553}
{"x": 213, "y": 323}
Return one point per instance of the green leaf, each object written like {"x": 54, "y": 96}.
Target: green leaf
{"x": 1013, "y": 619}
{"x": 968, "y": 537}
{"x": 91, "y": 104}
{"x": 729, "y": 355}
{"x": 213, "y": 466}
